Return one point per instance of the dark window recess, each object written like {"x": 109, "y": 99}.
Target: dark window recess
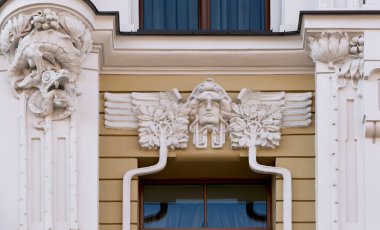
{"x": 204, "y": 15}
{"x": 205, "y": 204}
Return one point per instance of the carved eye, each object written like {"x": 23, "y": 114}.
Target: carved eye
{"x": 46, "y": 77}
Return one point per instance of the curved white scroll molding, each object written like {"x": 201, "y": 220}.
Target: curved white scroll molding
{"x": 127, "y": 178}
{"x": 287, "y": 185}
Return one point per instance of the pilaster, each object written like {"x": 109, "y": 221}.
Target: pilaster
{"x": 52, "y": 104}
{"x": 339, "y": 130}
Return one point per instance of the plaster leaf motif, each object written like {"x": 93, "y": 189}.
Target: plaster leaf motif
{"x": 170, "y": 122}
{"x": 257, "y": 125}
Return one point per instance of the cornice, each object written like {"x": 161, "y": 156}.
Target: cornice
{"x": 176, "y": 53}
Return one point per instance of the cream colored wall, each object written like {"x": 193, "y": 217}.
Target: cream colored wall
{"x": 119, "y": 150}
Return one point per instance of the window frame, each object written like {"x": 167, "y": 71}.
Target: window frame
{"x": 267, "y": 182}
{"x": 204, "y": 20}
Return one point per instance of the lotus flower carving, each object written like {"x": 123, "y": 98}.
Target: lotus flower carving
{"x": 329, "y": 47}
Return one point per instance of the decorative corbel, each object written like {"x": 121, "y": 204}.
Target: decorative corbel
{"x": 45, "y": 49}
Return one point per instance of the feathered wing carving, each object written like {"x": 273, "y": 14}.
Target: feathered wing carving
{"x": 296, "y": 106}
{"x": 120, "y": 112}
{"x": 257, "y": 119}
{"x": 297, "y": 110}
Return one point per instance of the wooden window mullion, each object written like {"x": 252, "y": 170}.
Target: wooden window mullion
{"x": 267, "y": 15}
{"x": 205, "y": 203}
{"x": 141, "y": 14}
{"x": 204, "y": 14}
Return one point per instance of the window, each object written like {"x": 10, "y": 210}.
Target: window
{"x": 205, "y": 204}
{"x": 204, "y": 15}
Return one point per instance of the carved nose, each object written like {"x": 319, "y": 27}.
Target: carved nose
{"x": 208, "y": 108}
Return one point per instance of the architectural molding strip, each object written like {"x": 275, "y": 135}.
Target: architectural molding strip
{"x": 116, "y": 15}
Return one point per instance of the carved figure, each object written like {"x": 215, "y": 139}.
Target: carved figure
{"x": 210, "y": 106}
{"x": 45, "y": 50}
{"x": 53, "y": 93}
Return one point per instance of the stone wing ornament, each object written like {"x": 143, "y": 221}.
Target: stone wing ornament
{"x": 159, "y": 117}
{"x": 259, "y": 116}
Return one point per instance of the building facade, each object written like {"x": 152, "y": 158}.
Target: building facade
{"x": 128, "y": 114}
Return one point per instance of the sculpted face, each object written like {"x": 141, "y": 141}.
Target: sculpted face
{"x": 208, "y": 112}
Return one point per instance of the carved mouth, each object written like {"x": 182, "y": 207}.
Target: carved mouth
{"x": 59, "y": 83}
{"x": 56, "y": 85}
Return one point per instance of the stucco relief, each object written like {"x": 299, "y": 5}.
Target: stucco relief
{"x": 342, "y": 53}
{"x": 208, "y": 112}
{"x": 45, "y": 49}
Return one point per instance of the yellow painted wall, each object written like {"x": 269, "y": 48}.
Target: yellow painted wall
{"x": 119, "y": 150}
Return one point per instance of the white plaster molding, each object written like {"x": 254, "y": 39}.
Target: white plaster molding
{"x": 45, "y": 49}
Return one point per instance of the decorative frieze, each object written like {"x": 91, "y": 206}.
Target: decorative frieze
{"x": 210, "y": 112}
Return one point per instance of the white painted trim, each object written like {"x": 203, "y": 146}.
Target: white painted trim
{"x": 23, "y": 221}
{"x": 129, "y": 13}
{"x": 287, "y": 184}
{"x": 296, "y": 70}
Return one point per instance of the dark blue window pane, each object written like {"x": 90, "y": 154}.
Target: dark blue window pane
{"x": 238, "y": 15}
{"x": 173, "y": 206}
{"x": 170, "y": 14}
{"x": 236, "y": 206}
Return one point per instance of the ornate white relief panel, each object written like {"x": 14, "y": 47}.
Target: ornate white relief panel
{"x": 209, "y": 111}
{"x": 45, "y": 49}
